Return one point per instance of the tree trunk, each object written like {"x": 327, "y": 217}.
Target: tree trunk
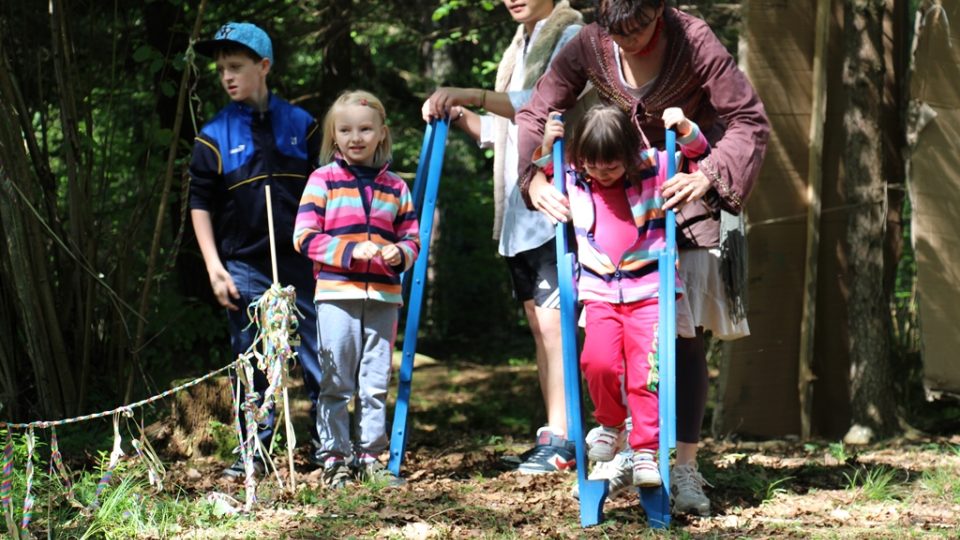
{"x": 872, "y": 409}
{"x": 338, "y": 48}
{"x": 188, "y": 431}
{"x": 26, "y": 275}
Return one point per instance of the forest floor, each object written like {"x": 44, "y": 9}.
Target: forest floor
{"x": 467, "y": 417}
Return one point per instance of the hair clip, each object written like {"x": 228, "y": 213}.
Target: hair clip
{"x": 363, "y": 102}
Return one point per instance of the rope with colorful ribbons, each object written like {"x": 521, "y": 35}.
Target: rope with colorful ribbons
{"x": 275, "y": 315}
{"x": 43, "y": 424}
{"x": 57, "y": 467}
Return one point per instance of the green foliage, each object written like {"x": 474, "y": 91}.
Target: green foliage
{"x": 349, "y": 501}
{"x": 128, "y": 507}
{"x": 447, "y": 7}
{"x": 105, "y": 191}
{"x": 839, "y": 451}
{"x": 225, "y": 439}
{"x": 132, "y": 510}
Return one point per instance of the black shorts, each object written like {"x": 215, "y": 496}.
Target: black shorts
{"x": 534, "y": 275}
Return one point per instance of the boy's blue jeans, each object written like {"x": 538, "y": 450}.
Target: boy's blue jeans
{"x": 251, "y": 282}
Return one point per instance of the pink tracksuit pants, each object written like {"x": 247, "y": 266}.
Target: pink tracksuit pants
{"x": 620, "y": 352}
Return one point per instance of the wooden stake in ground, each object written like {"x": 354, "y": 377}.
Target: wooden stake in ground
{"x": 287, "y": 417}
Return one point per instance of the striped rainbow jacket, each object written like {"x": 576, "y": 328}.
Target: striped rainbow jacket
{"x": 634, "y": 277}
{"x": 332, "y": 219}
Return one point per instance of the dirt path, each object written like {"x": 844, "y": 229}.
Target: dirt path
{"x": 466, "y": 417}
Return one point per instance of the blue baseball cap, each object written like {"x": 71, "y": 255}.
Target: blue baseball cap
{"x": 247, "y": 34}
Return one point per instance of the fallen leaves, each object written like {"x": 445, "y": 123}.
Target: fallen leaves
{"x": 458, "y": 487}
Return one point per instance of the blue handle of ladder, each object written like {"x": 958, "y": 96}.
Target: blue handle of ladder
{"x": 419, "y": 182}
{"x": 592, "y": 493}
{"x": 436, "y": 135}
{"x": 669, "y": 273}
{"x": 419, "y": 187}
{"x": 656, "y": 501}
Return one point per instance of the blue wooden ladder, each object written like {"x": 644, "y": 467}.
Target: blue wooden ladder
{"x": 425, "y": 199}
{"x": 656, "y": 501}
{"x": 593, "y": 493}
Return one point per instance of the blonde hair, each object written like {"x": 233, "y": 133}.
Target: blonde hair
{"x": 328, "y": 147}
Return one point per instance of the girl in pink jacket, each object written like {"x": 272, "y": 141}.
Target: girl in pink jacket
{"x": 619, "y": 223}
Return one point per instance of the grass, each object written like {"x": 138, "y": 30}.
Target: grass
{"x": 839, "y": 451}
{"x": 462, "y": 491}
{"x": 942, "y": 483}
{"x": 763, "y": 488}
{"x": 130, "y": 509}
{"x": 877, "y": 484}
{"x": 127, "y": 508}
{"x": 775, "y": 488}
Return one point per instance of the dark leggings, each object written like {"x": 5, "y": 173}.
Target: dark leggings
{"x": 691, "y": 387}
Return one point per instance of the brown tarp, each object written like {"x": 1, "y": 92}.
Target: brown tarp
{"x": 759, "y": 395}
{"x": 935, "y": 191}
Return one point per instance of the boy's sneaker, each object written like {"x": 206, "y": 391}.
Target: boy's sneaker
{"x": 336, "y": 473}
{"x": 315, "y": 458}
{"x": 645, "y": 470}
{"x": 618, "y": 472}
{"x": 552, "y": 453}
{"x": 237, "y": 471}
{"x": 369, "y": 469}
{"x": 686, "y": 490}
{"x": 604, "y": 442}
{"x": 513, "y": 461}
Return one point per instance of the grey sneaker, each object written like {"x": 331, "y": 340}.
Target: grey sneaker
{"x": 237, "y": 471}
{"x": 336, "y": 473}
{"x": 371, "y": 470}
{"x": 686, "y": 490}
{"x": 618, "y": 473}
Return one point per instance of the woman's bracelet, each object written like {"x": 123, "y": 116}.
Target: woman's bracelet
{"x": 459, "y": 116}
{"x": 483, "y": 97}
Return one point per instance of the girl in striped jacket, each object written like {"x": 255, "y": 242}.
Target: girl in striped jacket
{"x": 619, "y": 224}
{"x": 357, "y": 222}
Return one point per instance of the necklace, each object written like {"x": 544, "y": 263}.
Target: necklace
{"x": 652, "y": 44}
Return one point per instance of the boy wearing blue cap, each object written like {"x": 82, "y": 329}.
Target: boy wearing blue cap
{"x": 255, "y": 141}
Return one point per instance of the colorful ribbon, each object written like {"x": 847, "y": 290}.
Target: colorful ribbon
{"x": 6, "y": 484}
{"x": 112, "y": 464}
{"x": 28, "y": 498}
{"x": 57, "y": 467}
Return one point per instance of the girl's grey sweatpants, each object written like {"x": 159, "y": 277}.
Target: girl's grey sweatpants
{"x": 355, "y": 346}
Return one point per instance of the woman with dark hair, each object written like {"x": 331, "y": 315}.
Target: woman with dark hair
{"x": 645, "y": 57}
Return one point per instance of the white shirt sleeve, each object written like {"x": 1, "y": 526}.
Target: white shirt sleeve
{"x": 486, "y": 131}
